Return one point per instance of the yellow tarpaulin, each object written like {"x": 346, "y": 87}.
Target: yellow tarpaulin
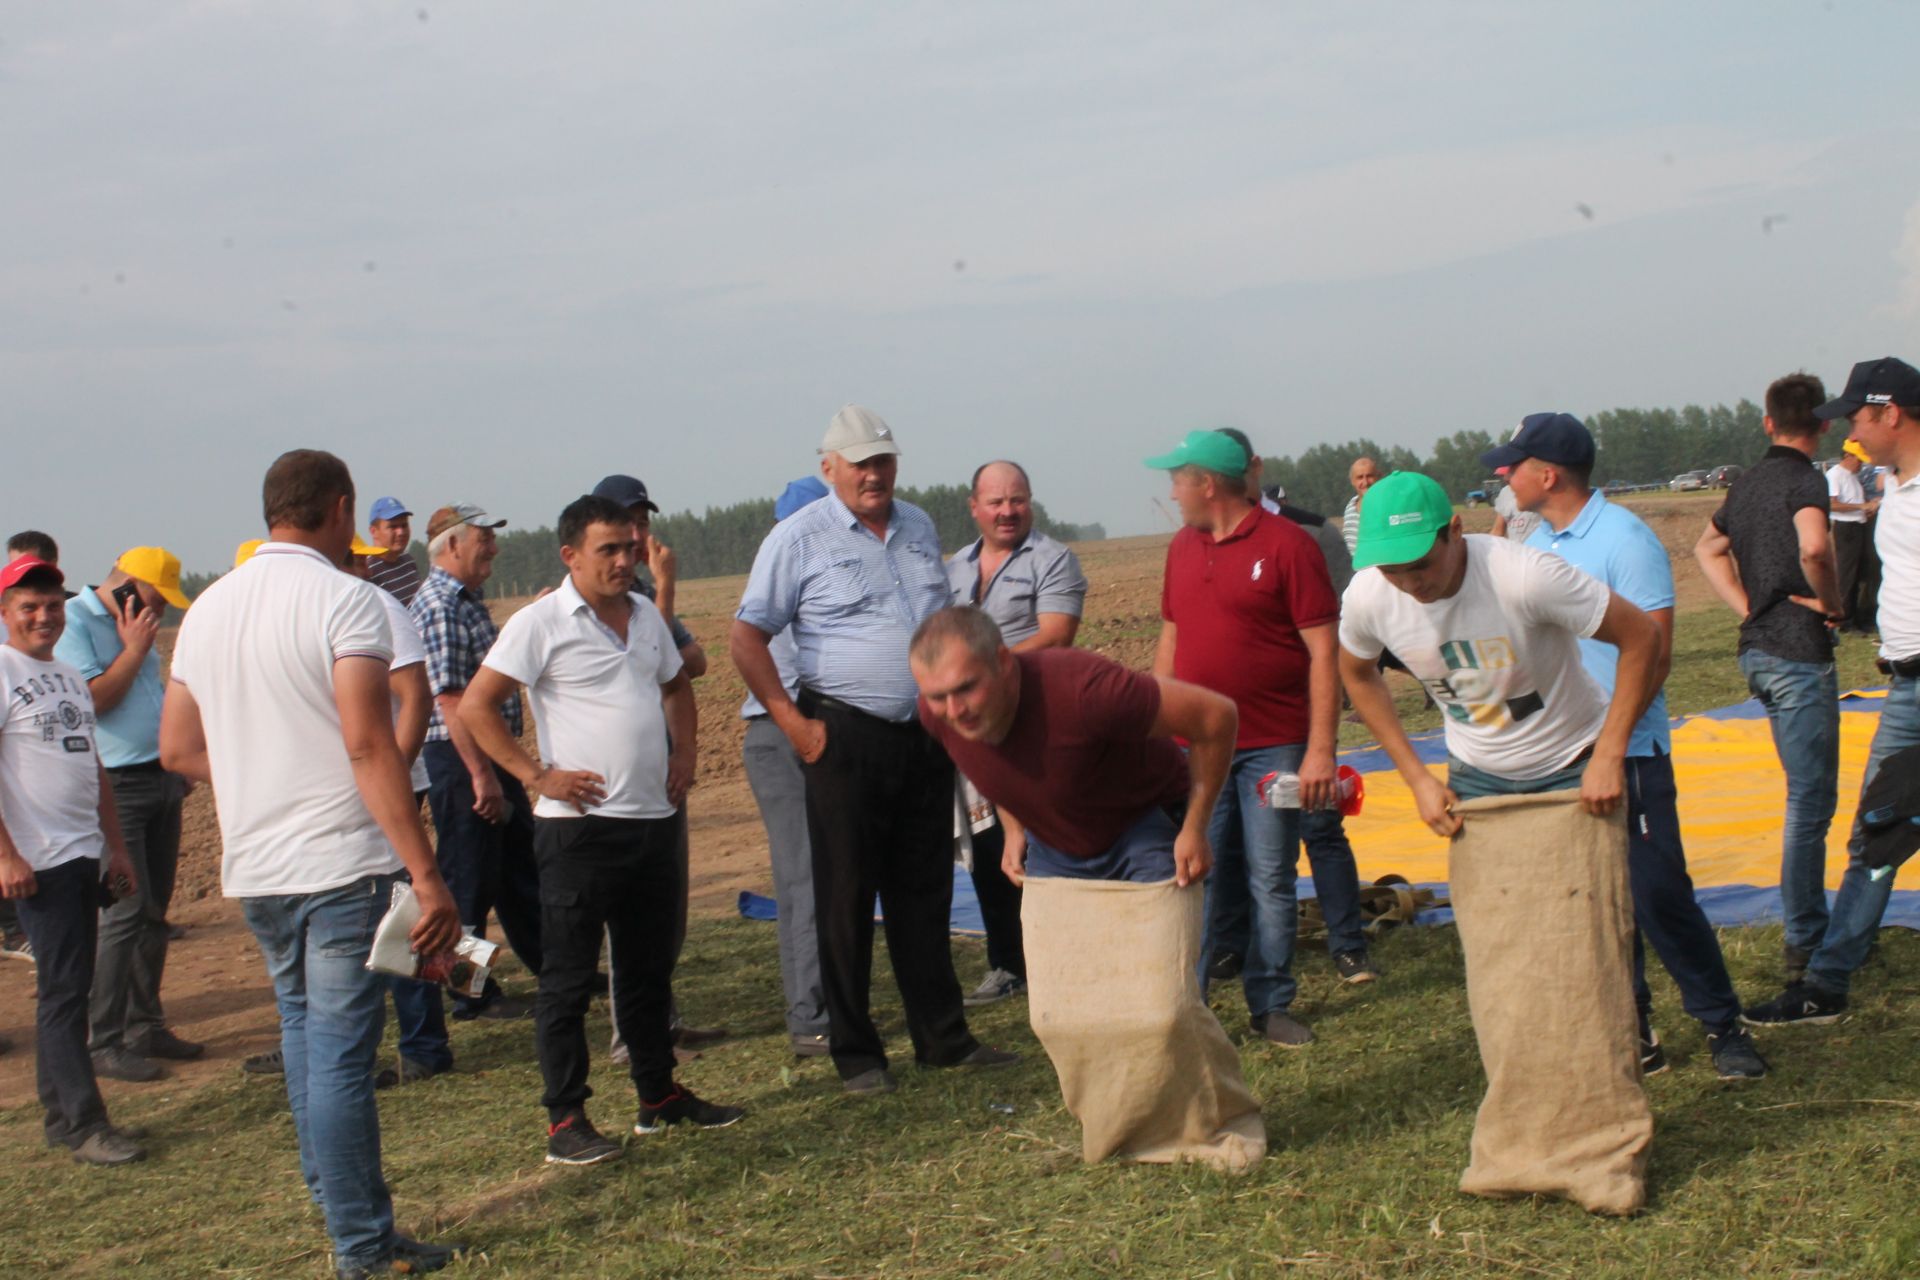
{"x": 1733, "y": 798}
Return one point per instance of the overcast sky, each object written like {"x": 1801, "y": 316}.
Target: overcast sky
{"x": 489, "y": 252}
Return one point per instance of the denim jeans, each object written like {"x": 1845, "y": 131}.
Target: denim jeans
{"x": 1470, "y": 783}
{"x": 1142, "y": 855}
{"x": 124, "y": 1008}
{"x": 1862, "y": 900}
{"x": 1336, "y": 883}
{"x": 331, "y": 1010}
{"x": 1256, "y": 851}
{"x": 1803, "y": 706}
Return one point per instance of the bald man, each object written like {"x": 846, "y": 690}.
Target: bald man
{"x": 1033, "y": 589}
{"x": 1361, "y": 476}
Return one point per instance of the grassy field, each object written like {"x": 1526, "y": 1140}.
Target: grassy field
{"x": 1805, "y": 1174}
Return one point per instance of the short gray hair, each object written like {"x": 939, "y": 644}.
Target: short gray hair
{"x": 963, "y": 622}
{"x": 443, "y": 541}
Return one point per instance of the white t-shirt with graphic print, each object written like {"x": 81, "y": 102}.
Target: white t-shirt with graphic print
{"x": 1501, "y": 655}
{"x": 49, "y": 770}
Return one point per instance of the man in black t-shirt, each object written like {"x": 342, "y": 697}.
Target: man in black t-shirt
{"x": 1767, "y": 552}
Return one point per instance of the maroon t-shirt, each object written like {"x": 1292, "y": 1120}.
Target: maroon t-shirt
{"x": 1077, "y": 766}
{"x": 1237, "y": 606}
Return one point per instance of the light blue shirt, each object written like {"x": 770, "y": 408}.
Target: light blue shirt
{"x": 786, "y": 660}
{"x": 1041, "y": 576}
{"x": 1614, "y": 545}
{"x": 130, "y": 733}
{"x": 852, "y": 600}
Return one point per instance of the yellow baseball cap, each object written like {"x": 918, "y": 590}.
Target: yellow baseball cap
{"x": 244, "y": 552}
{"x": 159, "y": 568}
{"x": 1853, "y": 447}
{"x": 361, "y": 547}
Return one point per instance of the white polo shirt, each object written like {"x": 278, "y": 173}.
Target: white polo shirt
{"x": 257, "y": 649}
{"x": 596, "y": 699}
{"x": 409, "y": 650}
{"x": 49, "y": 770}
{"x": 1896, "y": 536}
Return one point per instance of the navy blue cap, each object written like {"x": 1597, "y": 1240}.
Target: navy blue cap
{"x": 626, "y": 491}
{"x": 797, "y": 494}
{"x": 388, "y": 509}
{"x": 1882, "y": 381}
{"x": 1558, "y": 438}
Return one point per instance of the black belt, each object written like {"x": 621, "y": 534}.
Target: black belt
{"x": 818, "y": 700}
{"x": 145, "y": 766}
{"x": 1905, "y": 668}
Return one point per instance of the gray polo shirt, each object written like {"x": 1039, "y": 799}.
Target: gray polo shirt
{"x": 1041, "y": 576}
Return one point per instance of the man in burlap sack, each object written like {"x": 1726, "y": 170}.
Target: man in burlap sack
{"x": 1534, "y": 801}
{"x": 1106, "y": 831}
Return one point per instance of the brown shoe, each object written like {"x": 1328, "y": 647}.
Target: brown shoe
{"x": 108, "y": 1147}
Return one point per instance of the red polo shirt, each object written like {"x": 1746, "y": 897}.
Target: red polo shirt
{"x": 1238, "y": 605}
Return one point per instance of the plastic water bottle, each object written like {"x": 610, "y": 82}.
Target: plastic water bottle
{"x": 1282, "y": 791}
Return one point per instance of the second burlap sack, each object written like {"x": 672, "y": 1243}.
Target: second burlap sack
{"x": 1113, "y": 996}
{"x": 1540, "y": 892}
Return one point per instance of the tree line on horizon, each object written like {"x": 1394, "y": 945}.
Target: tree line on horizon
{"x": 1635, "y": 446}
{"x": 1638, "y": 446}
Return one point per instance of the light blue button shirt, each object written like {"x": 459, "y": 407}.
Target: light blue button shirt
{"x": 130, "y": 733}
{"x": 786, "y": 660}
{"x": 1041, "y": 576}
{"x": 1615, "y": 546}
{"x": 852, "y": 600}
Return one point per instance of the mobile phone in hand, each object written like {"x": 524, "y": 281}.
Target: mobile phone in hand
{"x": 124, "y": 593}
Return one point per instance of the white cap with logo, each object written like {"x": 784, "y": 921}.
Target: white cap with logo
{"x": 858, "y": 433}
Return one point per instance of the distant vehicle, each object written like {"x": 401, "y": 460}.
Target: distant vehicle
{"x": 1723, "y": 476}
{"x": 1476, "y": 496}
{"x": 1619, "y": 486}
{"x": 1688, "y": 481}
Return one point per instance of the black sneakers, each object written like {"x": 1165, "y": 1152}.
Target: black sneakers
{"x": 410, "y": 1257}
{"x": 1653, "y": 1058}
{"x": 681, "y": 1106}
{"x": 575, "y": 1141}
{"x": 1734, "y": 1057}
{"x": 1225, "y": 966}
{"x": 1801, "y": 1003}
{"x": 1355, "y": 967}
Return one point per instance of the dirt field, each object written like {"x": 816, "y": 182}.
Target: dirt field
{"x": 216, "y": 990}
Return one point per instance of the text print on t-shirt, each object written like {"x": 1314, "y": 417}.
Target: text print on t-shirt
{"x": 1474, "y": 680}
{"x": 62, "y": 719}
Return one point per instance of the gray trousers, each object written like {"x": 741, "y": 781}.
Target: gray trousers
{"x": 124, "y": 1007}
{"x": 780, "y": 789}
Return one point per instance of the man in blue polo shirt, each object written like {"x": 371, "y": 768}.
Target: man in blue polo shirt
{"x": 1551, "y": 464}
{"x": 109, "y": 641}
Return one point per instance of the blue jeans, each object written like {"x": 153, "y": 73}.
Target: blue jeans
{"x": 1862, "y": 900}
{"x": 1470, "y": 783}
{"x": 1803, "y": 706}
{"x": 1143, "y": 854}
{"x": 1336, "y": 883}
{"x": 331, "y": 1010}
{"x": 1256, "y": 852}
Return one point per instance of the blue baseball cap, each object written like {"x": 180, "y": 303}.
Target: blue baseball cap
{"x": 1558, "y": 438}
{"x": 388, "y": 509}
{"x": 797, "y": 494}
{"x": 626, "y": 491}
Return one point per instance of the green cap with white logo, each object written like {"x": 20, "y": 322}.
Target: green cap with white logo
{"x": 1400, "y": 517}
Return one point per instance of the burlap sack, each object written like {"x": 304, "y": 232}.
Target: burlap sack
{"x": 1545, "y": 915}
{"x": 1111, "y": 992}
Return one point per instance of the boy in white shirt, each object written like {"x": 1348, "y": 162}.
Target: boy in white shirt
{"x": 1492, "y": 629}
{"x": 59, "y": 823}
{"x": 609, "y": 694}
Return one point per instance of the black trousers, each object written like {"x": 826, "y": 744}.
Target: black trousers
{"x": 62, "y": 921}
{"x": 880, "y": 819}
{"x": 999, "y": 903}
{"x": 1852, "y": 543}
{"x": 132, "y": 953}
{"x": 617, "y": 877}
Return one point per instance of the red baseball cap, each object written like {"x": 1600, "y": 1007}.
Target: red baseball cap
{"x": 22, "y": 567}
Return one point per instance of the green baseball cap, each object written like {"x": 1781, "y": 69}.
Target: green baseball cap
{"x": 1400, "y": 517}
{"x": 1208, "y": 449}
